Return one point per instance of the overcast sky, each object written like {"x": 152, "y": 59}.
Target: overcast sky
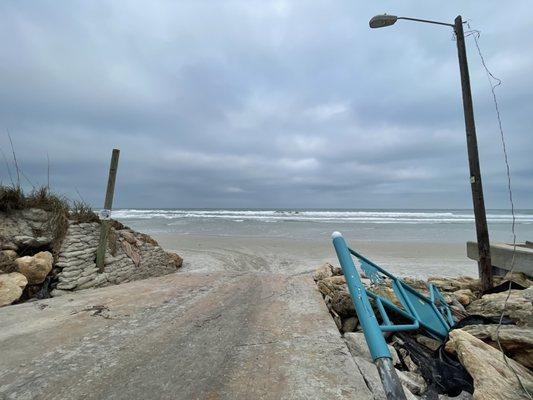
{"x": 263, "y": 103}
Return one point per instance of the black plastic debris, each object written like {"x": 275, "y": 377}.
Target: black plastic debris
{"x": 482, "y": 320}
{"x": 503, "y": 287}
{"x": 443, "y": 373}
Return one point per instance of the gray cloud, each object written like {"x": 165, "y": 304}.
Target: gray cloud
{"x": 262, "y": 104}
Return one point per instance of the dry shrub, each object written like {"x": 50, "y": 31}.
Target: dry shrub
{"x": 58, "y": 208}
{"x": 11, "y": 198}
{"x": 81, "y": 212}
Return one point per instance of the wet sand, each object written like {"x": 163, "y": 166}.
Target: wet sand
{"x": 298, "y": 256}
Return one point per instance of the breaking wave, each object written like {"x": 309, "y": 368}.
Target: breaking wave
{"x": 337, "y": 216}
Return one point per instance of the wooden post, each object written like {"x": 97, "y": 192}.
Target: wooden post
{"x": 484, "y": 263}
{"x": 106, "y": 214}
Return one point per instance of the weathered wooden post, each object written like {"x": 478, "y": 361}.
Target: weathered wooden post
{"x": 482, "y": 231}
{"x": 105, "y": 215}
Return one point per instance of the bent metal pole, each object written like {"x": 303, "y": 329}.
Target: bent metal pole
{"x": 374, "y": 337}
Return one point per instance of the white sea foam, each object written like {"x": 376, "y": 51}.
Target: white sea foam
{"x": 337, "y": 216}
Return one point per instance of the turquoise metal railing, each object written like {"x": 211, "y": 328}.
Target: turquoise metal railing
{"x": 374, "y": 338}
{"x": 429, "y": 314}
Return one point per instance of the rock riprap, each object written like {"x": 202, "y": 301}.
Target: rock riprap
{"x": 516, "y": 341}
{"x": 493, "y": 379}
{"x": 475, "y": 346}
{"x": 519, "y": 306}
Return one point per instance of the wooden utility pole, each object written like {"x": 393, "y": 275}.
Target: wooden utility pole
{"x": 484, "y": 263}
{"x": 106, "y": 212}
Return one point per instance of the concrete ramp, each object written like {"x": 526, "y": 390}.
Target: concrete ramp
{"x": 182, "y": 336}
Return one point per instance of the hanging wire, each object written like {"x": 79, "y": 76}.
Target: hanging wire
{"x": 494, "y": 82}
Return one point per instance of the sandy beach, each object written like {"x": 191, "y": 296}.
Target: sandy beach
{"x": 205, "y": 253}
{"x": 418, "y": 243}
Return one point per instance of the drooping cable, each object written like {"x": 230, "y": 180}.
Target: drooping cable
{"x": 494, "y": 82}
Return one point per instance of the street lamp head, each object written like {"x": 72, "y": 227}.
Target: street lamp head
{"x": 380, "y": 21}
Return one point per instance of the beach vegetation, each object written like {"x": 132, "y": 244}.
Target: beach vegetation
{"x": 61, "y": 211}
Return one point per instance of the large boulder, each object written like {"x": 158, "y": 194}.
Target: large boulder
{"x": 454, "y": 284}
{"x": 416, "y": 284}
{"x": 335, "y": 288}
{"x": 493, "y": 377}
{"x": 387, "y": 293}
{"x": 11, "y": 286}
{"x": 356, "y": 343}
{"x": 36, "y": 267}
{"x": 519, "y": 306}
{"x": 338, "y": 280}
{"x": 178, "y": 260}
{"x": 516, "y": 341}
{"x": 464, "y": 296}
{"x": 19, "y": 279}
{"x": 23, "y": 229}
{"x": 324, "y": 271}
{"x": 373, "y": 381}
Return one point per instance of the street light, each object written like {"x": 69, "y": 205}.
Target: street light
{"x": 380, "y": 21}
{"x": 484, "y": 262}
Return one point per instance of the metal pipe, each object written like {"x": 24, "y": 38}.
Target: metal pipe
{"x": 389, "y": 379}
{"x": 374, "y": 336}
{"x": 427, "y": 21}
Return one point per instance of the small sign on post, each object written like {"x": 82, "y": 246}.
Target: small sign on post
{"x": 105, "y": 214}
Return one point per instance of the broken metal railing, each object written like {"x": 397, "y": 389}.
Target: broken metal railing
{"x": 429, "y": 314}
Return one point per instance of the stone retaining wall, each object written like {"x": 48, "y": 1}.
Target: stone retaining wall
{"x": 132, "y": 256}
{"x": 52, "y": 266}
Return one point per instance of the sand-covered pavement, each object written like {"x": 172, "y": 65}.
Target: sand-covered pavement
{"x": 197, "y": 335}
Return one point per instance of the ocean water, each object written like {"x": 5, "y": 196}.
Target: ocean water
{"x": 429, "y": 226}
